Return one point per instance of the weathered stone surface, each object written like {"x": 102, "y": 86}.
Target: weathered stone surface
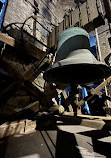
{"x": 18, "y": 11}
{"x": 104, "y": 34}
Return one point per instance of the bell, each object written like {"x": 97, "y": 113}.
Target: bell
{"x": 74, "y": 63}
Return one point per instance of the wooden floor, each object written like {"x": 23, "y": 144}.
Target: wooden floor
{"x": 68, "y": 138}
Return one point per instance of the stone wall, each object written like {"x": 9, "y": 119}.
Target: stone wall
{"x": 18, "y": 11}
{"x": 104, "y": 34}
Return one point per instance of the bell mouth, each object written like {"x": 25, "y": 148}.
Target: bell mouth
{"x": 77, "y": 74}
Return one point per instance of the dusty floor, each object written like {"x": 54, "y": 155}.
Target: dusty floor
{"x": 62, "y": 140}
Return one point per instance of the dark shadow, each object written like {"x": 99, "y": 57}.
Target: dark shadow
{"x": 66, "y": 145}
{"x": 51, "y": 122}
{"x": 18, "y": 55}
{"x": 99, "y": 146}
{"x": 96, "y": 134}
{"x": 66, "y": 142}
{"x": 3, "y": 147}
{"x": 24, "y": 145}
{"x": 108, "y": 58}
{"x": 47, "y": 144}
{"x": 5, "y": 80}
{"x": 24, "y": 114}
{"x": 102, "y": 147}
{"x": 79, "y": 1}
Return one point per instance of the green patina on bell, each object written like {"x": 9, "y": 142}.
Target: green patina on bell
{"x": 74, "y": 61}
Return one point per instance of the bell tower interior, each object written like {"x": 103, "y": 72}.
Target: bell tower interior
{"x": 55, "y": 78}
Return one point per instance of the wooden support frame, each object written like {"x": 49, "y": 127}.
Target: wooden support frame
{"x": 30, "y": 48}
{"x": 23, "y": 79}
{"x": 31, "y": 73}
{"x": 95, "y": 91}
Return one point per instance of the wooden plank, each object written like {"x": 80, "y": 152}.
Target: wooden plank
{"x": 70, "y": 19}
{"x": 33, "y": 51}
{"x": 64, "y": 94}
{"x": 75, "y": 19}
{"x": 56, "y": 36}
{"x": 66, "y": 22}
{"x": 103, "y": 84}
{"x": 53, "y": 38}
{"x": 108, "y": 111}
{"x": 96, "y": 117}
{"x": 29, "y": 107}
{"x": 88, "y": 116}
{"x": 17, "y": 127}
{"x": 49, "y": 40}
{"x": 84, "y": 16}
{"x": 93, "y": 12}
{"x": 50, "y": 37}
{"x": 7, "y": 39}
{"x": 60, "y": 28}
{"x": 33, "y": 90}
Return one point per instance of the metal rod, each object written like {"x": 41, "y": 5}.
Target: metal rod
{"x": 98, "y": 45}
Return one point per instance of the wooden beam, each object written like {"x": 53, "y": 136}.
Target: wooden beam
{"x": 33, "y": 90}
{"x": 33, "y": 50}
{"x": 36, "y": 103}
{"x": 102, "y": 85}
{"x": 11, "y": 69}
{"x": 29, "y": 47}
{"x": 24, "y": 78}
{"x": 88, "y": 116}
{"x": 7, "y": 39}
{"x": 108, "y": 111}
{"x": 17, "y": 127}
{"x": 19, "y": 74}
{"x": 96, "y": 117}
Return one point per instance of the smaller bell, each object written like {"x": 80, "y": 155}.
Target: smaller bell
{"x": 75, "y": 64}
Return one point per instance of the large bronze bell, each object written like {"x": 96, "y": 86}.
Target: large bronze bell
{"x": 75, "y": 64}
